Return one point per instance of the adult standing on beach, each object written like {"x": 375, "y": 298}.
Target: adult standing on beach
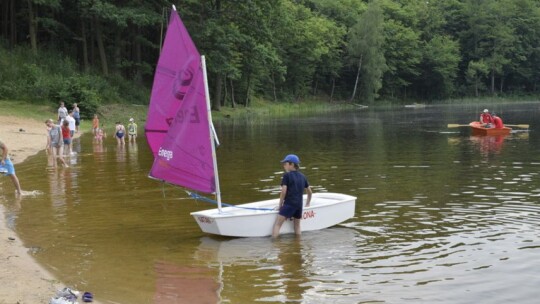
{"x": 132, "y": 130}
{"x": 56, "y": 142}
{"x": 76, "y": 116}
{"x": 6, "y": 167}
{"x": 62, "y": 112}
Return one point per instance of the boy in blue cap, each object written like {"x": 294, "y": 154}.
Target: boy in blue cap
{"x": 291, "y": 204}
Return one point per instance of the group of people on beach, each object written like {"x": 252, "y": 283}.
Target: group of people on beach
{"x": 60, "y": 139}
{"x": 60, "y": 134}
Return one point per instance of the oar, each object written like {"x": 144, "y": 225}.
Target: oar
{"x": 456, "y": 125}
{"x": 524, "y": 126}
{"x": 517, "y": 126}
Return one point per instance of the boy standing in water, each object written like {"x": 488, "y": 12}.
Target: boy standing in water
{"x": 6, "y": 167}
{"x": 291, "y": 203}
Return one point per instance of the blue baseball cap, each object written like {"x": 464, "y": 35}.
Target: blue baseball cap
{"x": 291, "y": 158}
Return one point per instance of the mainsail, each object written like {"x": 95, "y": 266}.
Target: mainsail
{"x": 178, "y": 62}
{"x": 178, "y": 127}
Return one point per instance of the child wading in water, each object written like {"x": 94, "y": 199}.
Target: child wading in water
{"x": 291, "y": 202}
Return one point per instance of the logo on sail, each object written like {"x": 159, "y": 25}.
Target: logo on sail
{"x": 167, "y": 154}
{"x": 183, "y": 79}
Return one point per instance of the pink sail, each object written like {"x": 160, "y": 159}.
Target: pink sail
{"x": 181, "y": 141}
{"x": 178, "y": 62}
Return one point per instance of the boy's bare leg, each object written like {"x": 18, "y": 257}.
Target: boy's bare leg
{"x": 297, "y": 229}
{"x": 16, "y": 183}
{"x": 277, "y": 225}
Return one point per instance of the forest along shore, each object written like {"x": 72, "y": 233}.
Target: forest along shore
{"x": 22, "y": 279}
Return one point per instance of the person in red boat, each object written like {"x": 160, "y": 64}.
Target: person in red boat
{"x": 497, "y": 121}
{"x": 486, "y": 119}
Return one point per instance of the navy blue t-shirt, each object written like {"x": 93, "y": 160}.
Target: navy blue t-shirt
{"x": 296, "y": 182}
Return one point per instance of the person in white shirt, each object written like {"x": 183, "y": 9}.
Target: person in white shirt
{"x": 72, "y": 128}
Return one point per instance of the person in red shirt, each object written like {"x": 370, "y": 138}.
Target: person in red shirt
{"x": 497, "y": 121}
{"x": 66, "y": 136}
{"x": 486, "y": 119}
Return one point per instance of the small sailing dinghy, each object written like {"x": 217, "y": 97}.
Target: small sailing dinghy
{"x": 182, "y": 138}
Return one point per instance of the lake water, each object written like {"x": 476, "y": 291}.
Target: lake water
{"x": 441, "y": 216}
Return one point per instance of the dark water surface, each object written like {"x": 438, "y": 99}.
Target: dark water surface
{"x": 441, "y": 216}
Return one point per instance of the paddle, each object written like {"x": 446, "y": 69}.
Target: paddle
{"x": 518, "y": 126}
{"x": 515, "y": 126}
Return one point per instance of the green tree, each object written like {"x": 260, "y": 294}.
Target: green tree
{"x": 402, "y": 49}
{"x": 476, "y": 72}
{"x": 366, "y": 40}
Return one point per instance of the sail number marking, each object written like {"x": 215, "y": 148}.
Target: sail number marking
{"x": 192, "y": 115}
{"x": 308, "y": 214}
{"x": 204, "y": 219}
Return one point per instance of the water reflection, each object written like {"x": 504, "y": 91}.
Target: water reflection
{"x": 434, "y": 214}
{"x": 181, "y": 284}
{"x": 488, "y": 145}
{"x": 283, "y": 270}
{"x": 133, "y": 151}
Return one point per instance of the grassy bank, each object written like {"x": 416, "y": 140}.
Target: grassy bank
{"x": 109, "y": 114}
{"x": 259, "y": 109}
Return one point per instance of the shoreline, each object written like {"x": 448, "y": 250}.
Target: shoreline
{"x": 22, "y": 279}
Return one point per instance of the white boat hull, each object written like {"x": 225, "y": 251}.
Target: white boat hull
{"x": 325, "y": 210}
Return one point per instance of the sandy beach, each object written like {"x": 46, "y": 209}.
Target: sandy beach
{"x": 22, "y": 279}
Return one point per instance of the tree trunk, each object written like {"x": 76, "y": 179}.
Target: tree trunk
{"x": 13, "y": 36}
{"x": 315, "y": 87}
{"x": 233, "y": 102}
{"x": 117, "y": 59}
{"x": 163, "y": 18}
{"x": 357, "y": 77}
{"x": 138, "y": 58}
{"x": 247, "y": 91}
{"x": 224, "y": 103}
{"x": 8, "y": 22}
{"x": 502, "y": 84}
{"x": 101, "y": 48}
{"x": 32, "y": 27}
{"x": 216, "y": 103}
{"x": 92, "y": 46}
{"x": 5, "y": 19}
{"x": 86, "y": 65}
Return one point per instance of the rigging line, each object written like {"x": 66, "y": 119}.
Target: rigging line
{"x": 208, "y": 200}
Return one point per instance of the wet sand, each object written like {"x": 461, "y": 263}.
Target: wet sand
{"x": 22, "y": 279}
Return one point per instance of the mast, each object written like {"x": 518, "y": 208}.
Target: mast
{"x": 213, "y": 137}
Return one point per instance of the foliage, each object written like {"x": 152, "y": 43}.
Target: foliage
{"x": 365, "y": 47}
{"x": 103, "y": 51}
{"x": 54, "y": 78}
